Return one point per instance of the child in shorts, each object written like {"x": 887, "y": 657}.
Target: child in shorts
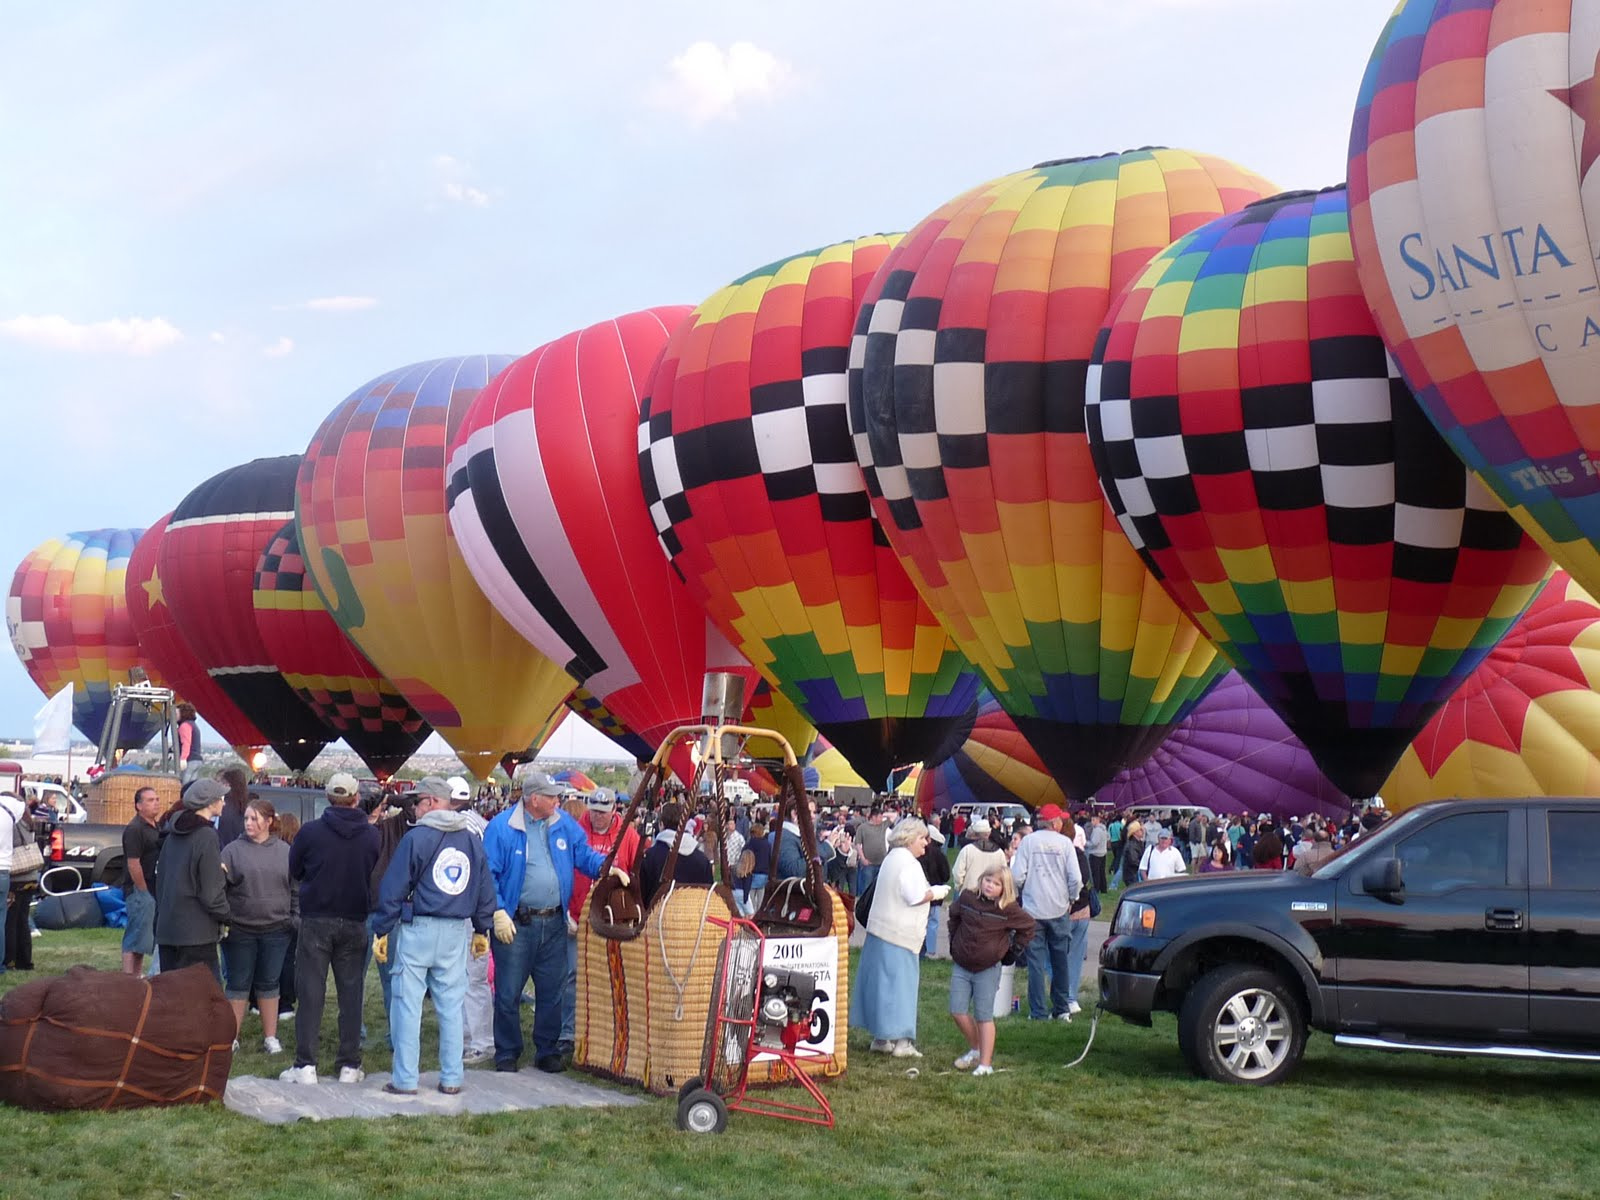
{"x": 988, "y": 927}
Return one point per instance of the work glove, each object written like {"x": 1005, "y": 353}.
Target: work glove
{"x": 940, "y": 891}
{"x": 480, "y": 945}
{"x": 380, "y": 947}
{"x": 572, "y": 926}
{"x": 621, "y": 875}
{"x": 504, "y": 931}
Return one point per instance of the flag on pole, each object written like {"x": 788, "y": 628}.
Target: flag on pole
{"x": 52, "y": 724}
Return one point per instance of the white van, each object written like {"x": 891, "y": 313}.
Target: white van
{"x": 1009, "y": 814}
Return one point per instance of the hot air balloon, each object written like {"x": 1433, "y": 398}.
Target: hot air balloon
{"x": 1526, "y": 722}
{"x": 67, "y": 614}
{"x": 324, "y": 667}
{"x": 1290, "y": 494}
{"x": 753, "y": 486}
{"x": 1474, "y": 230}
{"x": 992, "y": 764}
{"x": 375, "y": 533}
{"x": 1232, "y": 754}
{"x": 966, "y": 402}
{"x": 207, "y": 559}
{"x": 164, "y": 645}
{"x": 598, "y": 717}
{"x": 546, "y": 506}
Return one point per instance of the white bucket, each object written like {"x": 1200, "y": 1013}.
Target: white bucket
{"x": 1003, "y": 993}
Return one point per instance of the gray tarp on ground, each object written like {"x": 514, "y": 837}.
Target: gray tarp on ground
{"x": 279, "y": 1103}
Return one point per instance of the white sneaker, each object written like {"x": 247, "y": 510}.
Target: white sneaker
{"x": 477, "y": 1056}
{"x": 967, "y": 1061}
{"x": 982, "y": 1069}
{"x": 236, "y": 1045}
{"x": 1073, "y": 1008}
{"x": 272, "y": 1045}
{"x": 285, "y": 1016}
{"x": 905, "y": 1049}
{"x": 1066, "y": 1016}
{"x": 881, "y": 1046}
{"x": 305, "y": 1074}
{"x": 351, "y": 1074}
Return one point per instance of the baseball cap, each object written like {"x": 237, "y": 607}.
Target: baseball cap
{"x": 602, "y": 800}
{"x": 1163, "y": 832}
{"x": 535, "y": 782}
{"x": 433, "y": 785}
{"x": 203, "y": 792}
{"x": 342, "y": 783}
{"x": 460, "y": 789}
{"x": 1051, "y": 812}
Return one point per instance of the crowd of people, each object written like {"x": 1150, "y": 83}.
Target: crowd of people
{"x": 435, "y": 881}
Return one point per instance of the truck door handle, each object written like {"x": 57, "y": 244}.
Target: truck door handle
{"x": 1503, "y": 918}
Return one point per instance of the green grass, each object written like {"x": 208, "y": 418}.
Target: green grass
{"x": 1128, "y": 1123}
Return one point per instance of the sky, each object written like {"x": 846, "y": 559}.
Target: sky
{"x": 217, "y": 221}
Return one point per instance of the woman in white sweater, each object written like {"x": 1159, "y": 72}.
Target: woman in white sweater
{"x": 888, "y": 976}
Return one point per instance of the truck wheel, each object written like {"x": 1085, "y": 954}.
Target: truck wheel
{"x": 1241, "y": 1024}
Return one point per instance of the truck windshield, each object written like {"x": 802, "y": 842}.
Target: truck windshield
{"x": 1358, "y": 849}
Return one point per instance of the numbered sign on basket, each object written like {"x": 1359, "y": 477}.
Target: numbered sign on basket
{"x": 819, "y": 958}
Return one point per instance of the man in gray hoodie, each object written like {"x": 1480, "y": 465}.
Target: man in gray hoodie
{"x": 438, "y": 880}
{"x": 191, "y": 890}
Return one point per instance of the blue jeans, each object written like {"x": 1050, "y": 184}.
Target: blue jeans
{"x": 385, "y": 978}
{"x": 1077, "y": 949}
{"x": 341, "y": 943}
{"x": 865, "y": 877}
{"x": 1047, "y": 959}
{"x": 432, "y": 958}
{"x": 569, "y": 1004}
{"x": 253, "y": 961}
{"x": 5, "y": 889}
{"x": 539, "y": 952}
{"x": 930, "y": 942}
{"x": 139, "y": 936}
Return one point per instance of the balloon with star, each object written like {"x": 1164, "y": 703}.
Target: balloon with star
{"x": 1474, "y": 210}
{"x": 1526, "y": 722}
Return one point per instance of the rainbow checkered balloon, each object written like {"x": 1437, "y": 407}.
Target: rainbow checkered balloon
{"x": 1476, "y": 134}
{"x": 375, "y": 533}
{"x": 1282, "y": 483}
{"x": 966, "y": 402}
{"x": 745, "y": 456}
{"x": 67, "y": 615}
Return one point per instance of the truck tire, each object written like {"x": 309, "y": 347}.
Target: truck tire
{"x": 1242, "y": 1024}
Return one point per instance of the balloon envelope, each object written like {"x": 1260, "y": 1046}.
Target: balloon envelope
{"x": 1232, "y": 754}
{"x": 993, "y": 764}
{"x": 1289, "y": 493}
{"x": 163, "y": 643}
{"x": 1474, "y": 220}
{"x": 371, "y": 512}
{"x": 966, "y": 401}
{"x": 207, "y": 560}
{"x": 324, "y": 667}
{"x": 1526, "y": 722}
{"x": 546, "y": 505}
{"x": 67, "y": 614}
{"x": 747, "y": 466}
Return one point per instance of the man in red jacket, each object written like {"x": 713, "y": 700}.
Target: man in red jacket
{"x": 602, "y": 827}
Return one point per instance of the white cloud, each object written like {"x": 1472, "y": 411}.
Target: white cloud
{"x": 120, "y": 335}
{"x": 463, "y": 194}
{"x": 280, "y": 348}
{"x": 709, "y": 82}
{"x": 331, "y": 304}
{"x": 217, "y": 338}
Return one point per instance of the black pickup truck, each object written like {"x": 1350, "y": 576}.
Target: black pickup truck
{"x": 1461, "y": 927}
{"x": 95, "y": 851}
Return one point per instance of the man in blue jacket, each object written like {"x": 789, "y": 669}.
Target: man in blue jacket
{"x": 533, "y": 849}
{"x": 332, "y": 858}
{"x": 439, "y": 877}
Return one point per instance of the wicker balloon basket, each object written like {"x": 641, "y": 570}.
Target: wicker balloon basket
{"x": 110, "y": 800}
{"x": 648, "y": 975}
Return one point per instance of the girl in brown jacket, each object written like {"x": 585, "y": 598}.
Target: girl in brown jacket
{"x": 987, "y": 928}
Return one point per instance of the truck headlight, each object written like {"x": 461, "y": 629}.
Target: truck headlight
{"x": 1134, "y": 917}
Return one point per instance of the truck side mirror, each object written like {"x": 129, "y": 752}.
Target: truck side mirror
{"x": 1386, "y": 881}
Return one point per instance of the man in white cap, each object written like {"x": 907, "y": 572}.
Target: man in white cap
{"x": 437, "y": 883}
{"x": 534, "y": 849}
{"x": 1162, "y": 860}
{"x": 332, "y": 858}
{"x": 477, "y": 1022}
{"x": 602, "y": 829}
